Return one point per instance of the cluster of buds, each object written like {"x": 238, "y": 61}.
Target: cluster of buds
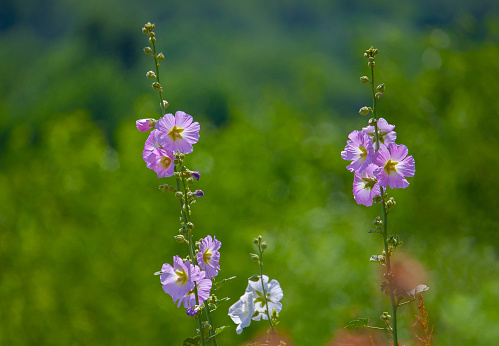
{"x": 370, "y": 54}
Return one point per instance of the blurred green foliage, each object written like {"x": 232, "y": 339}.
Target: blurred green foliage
{"x": 275, "y": 87}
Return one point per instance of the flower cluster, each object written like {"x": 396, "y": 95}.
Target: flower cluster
{"x": 169, "y": 135}
{"x": 252, "y": 304}
{"x": 389, "y": 165}
{"x": 183, "y": 279}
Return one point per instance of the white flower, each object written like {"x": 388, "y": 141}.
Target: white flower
{"x": 242, "y": 311}
{"x": 274, "y": 295}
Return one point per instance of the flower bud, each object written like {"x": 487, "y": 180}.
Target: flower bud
{"x": 264, "y": 245}
{"x": 255, "y": 241}
{"x": 160, "y": 57}
{"x": 144, "y": 30}
{"x": 144, "y": 125}
{"x": 372, "y": 122}
{"x": 156, "y": 86}
{"x": 147, "y": 50}
{"x": 151, "y": 75}
{"x": 148, "y": 26}
{"x": 180, "y": 238}
{"x": 381, "y": 88}
{"x": 364, "y": 79}
{"x": 152, "y": 39}
{"x": 196, "y": 175}
{"x": 365, "y": 55}
{"x": 179, "y": 194}
{"x": 385, "y": 316}
{"x": 371, "y": 63}
{"x": 255, "y": 257}
{"x": 198, "y": 193}
{"x": 364, "y": 110}
{"x": 190, "y": 226}
{"x": 165, "y": 104}
{"x": 190, "y": 181}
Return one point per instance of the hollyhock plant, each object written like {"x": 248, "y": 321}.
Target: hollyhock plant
{"x": 274, "y": 295}
{"x": 242, "y": 311}
{"x": 359, "y": 150}
{"x": 394, "y": 166}
{"x": 365, "y": 186}
{"x": 161, "y": 161}
{"x": 208, "y": 256}
{"x": 144, "y": 125}
{"x": 178, "y": 133}
{"x": 386, "y": 134}
{"x": 179, "y": 279}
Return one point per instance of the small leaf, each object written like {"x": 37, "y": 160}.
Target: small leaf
{"x": 361, "y": 322}
{"x": 196, "y": 341}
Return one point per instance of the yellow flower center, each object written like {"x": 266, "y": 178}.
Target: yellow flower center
{"x": 206, "y": 256}
{"x": 363, "y": 153}
{"x": 175, "y": 133}
{"x": 166, "y": 161}
{"x": 182, "y": 277}
{"x": 390, "y": 166}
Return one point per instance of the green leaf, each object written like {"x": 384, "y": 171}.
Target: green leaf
{"x": 195, "y": 341}
{"x": 361, "y": 322}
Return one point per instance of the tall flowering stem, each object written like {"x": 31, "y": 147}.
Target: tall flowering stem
{"x": 378, "y": 163}
{"x": 262, "y": 245}
{"x": 372, "y": 52}
{"x": 164, "y": 146}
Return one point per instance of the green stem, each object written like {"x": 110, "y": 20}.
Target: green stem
{"x": 385, "y": 224}
{"x": 265, "y": 293}
{"x": 156, "y": 64}
{"x": 185, "y": 212}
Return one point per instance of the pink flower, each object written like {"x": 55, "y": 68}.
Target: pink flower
{"x": 208, "y": 256}
{"x": 144, "y": 125}
{"x": 365, "y": 186}
{"x": 177, "y": 133}
{"x": 385, "y": 132}
{"x": 359, "y": 150}
{"x": 394, "y": 166}
{"x": 179, "y": 279}
{"x": 203, "y": 287}
{"x": 161, "y": 161}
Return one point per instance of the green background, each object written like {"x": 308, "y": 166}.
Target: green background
{"x": 275, "y": 87}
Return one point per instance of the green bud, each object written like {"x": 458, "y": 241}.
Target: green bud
{"x": 152, "y": 39}
{"x": 147, "y": 50}
{"x": 144, "y": 30}
{"x": 375, "y": 51}
{"x": 371, "y": 63}
{"x": 372, "y": 122}
{"x": 377, "y": 199}
{"x": 255, "y": 241}
{"x": 364, "y": 79}
{"x": 179, "y": 194}
{"x": 365, "y": 55}
{"x": 165, "y": 104}
{"x": 190, "y": 181}
{"x": 148, "y": 26}
{"x": 378, "y": 95}
{"x": 156, "y": 86}
{"x": 151, "y": 75}
{"x": 364, "y": 110}
{"x": 385, "y": 316}
{"x": 255, "y": 257}
{"x": 152, "y": 34}
{"x": 180, "y": 238}
{"x": 254, "y": 278}
{"x": 160, "y": 57}
{"x": 264, "y": 245}
{"x": 381, "y": 88}
{"x": 190, "y": 226}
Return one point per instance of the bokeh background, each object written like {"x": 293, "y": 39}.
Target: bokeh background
{"x": 275, "y": 86}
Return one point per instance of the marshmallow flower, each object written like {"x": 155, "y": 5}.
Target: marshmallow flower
{"x": 177, "y": 133}
{"x": 242, "y": 311}
{"x": 365, "y": 186}
{"x": 178, "y": 280}
{"x": 144, "y": 125}
{"x": 274, "y": 295}
{"x": 359, "y": 150}
{"x": 385, "y": 132}
{"x": 394, "y": 166}
{"x": 208, "y": 256}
